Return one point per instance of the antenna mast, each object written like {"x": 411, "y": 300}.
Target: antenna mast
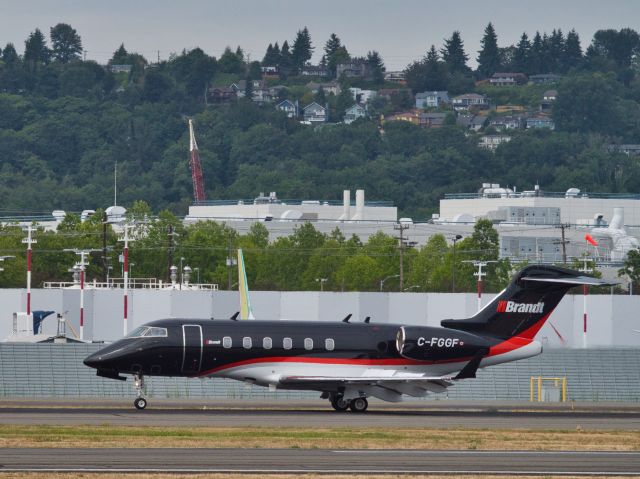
{"x": 196, "y": 167}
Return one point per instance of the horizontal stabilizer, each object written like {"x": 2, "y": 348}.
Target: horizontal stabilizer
{"x": 577, "y": 280}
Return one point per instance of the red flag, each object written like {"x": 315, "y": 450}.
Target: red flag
{"x": 590, "y": 240}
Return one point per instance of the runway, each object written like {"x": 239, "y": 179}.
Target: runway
{"x": 318, "y": 414}
{"x": 320, "y": 461}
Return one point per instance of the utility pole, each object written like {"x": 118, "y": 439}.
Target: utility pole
{"x": 29, "y": 240}
{"x": 585, "y": 291}
{"x": 105, "y": 265}
{"x": 479, "y": 274}
{"x": 80, "y": 266}
{"x": 125, "y": 270}
{"x": 231, "y": 261}
{"x": 401, "y": 245}
{"x": 453, "y": 265}
{"x": 563, "y": 241}
{"x": 171, "y": 248}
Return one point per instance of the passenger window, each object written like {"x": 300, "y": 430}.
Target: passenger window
{"x": 266, "y": 343}
{"x": 308, "y": 344}
{"x": 287, "y": 343}
{"x": 329, "y": 344}
{"x": 226, "y": 342}
{"x": 246, "y": 343}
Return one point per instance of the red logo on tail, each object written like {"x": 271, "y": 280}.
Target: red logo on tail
{"x": 502, "y": 306}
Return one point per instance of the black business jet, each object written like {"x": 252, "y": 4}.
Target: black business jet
{"x": 347, "y": 362}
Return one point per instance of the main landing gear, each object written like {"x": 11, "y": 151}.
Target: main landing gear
{"x": 138, "y": 383}
{"x": 341, "y": 404}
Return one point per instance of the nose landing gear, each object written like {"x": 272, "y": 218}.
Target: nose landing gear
{"x": 138, "y": 383}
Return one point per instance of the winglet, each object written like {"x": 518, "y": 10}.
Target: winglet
{"x": 367, "y": 319}
{"x": 235, "y": 316}
{"x": 469, "y": 371}
{"x": 347, "y": 318}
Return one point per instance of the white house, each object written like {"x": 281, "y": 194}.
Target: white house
{"x": 353, "y": 113}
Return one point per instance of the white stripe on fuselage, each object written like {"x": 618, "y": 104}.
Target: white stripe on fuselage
{"x": 266, "y": 373}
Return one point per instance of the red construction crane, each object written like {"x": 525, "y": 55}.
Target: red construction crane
{"x": 195, "y": 166}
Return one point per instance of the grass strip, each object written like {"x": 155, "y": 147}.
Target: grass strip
{"x": 308, "y": 438}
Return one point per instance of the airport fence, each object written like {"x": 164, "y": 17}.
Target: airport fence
{"x": 56, "y": 370}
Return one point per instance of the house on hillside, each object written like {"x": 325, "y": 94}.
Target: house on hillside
{"x": 432, "y": 120}
{"x": 395, "y": 77}
{"x": 540, "y": 121}
{"x": 548, "y": 99}
{"x": 545, "y": 78}
{"x": 492, "y": 142}
{"x": 431, "y": 99}
{"x": 362, "y": 96}
{"x": 469, "y": 101}
{"x": 289, "y": 108}
{"x": 120, "y": 68}
{"x": 327, "y": 87}
{"x": 508, "y": 79}
{"x": 629, "y": 150}
{"x": 314, "y": 71}
{"x": 270, "y": 71}
{"x": 509, "y": 122}
{"x": 353, "y": 113}
{"x": 412, "y": 116}
{"x": 357, "y": 68}
{"x": 471, "y": 122}
{"x": 315, "y": 114}
{"x": 221, "y": 95}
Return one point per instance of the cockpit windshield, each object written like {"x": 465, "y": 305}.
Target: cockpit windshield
{"x": 148, "y": 332}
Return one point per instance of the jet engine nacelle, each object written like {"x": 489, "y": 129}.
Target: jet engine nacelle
{"x": 420, "y": 343}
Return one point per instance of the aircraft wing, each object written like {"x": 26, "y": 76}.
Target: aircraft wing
{"x": 414, "y": 386}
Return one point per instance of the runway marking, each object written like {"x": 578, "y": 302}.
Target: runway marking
{"x": 485, "y": 452}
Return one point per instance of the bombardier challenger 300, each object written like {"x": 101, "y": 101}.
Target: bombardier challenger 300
{"x": 347, "y": 362}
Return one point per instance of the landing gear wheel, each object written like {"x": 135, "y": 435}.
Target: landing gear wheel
{"x": 359, "y": 405}
{"x": 339, "y": 403}
{"x": 140, "y": 403}
{"x": 138, "y": 384}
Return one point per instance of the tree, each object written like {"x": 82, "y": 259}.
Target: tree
{"x": 537, "y": 60}
{"x": 489, "y": 55}
{"x": 35, "y": 48}
{"x": 572, "y": 55}
{"x": 334, "y": 53}
{"x": 631, "y": 268}
{"x": 453, "y": 53}
{"x": 302, "y": 49}
{"x": 522, "y": 56}
{"x": 376, "y": 66}
{"x": 619, "y": 46}
{"x": 555, "y": 50}
{"x": 9, "y": 54}
{"x": 120, "y": 56}
{"x": 231, "y": 62}
{"x": 286, "y": 61}
{"x": 66, "y": 43}
{"x": 267, "y": 60}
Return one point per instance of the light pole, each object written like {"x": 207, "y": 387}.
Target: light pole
{"x": 453, "y": 265}
{"x": 412, "y": 287}
{"x": 181, "y": 272}
{"x": 479, "y": 274}
{"x": 321, "y": 281}
{"x": 388, "y": 277}
{"x": 29, "y": 240}
{"x": 80, "y": 267}
{"x": 585, "y": 292}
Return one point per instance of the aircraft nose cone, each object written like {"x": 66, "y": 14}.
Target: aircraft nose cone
{"x": 94, "y": 360}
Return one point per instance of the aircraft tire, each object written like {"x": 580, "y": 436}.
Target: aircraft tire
{"x": 340, "y": 404}
{"x": 140, "y": 403}
{"x": 359, "y": 405}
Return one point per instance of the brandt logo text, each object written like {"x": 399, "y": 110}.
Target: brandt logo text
{"x": 513, "y": 307}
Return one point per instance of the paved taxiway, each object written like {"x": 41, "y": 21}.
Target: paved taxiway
{"x": 321, "y": 461}
{"x": 313, "y": 414}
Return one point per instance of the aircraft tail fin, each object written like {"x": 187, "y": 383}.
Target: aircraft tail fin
{"x": 523, "y": 307}
{"x": 246, "y": 312}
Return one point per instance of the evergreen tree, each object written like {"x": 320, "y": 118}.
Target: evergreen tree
{"x": 248, "y": 88}
{"x": 432, "y": 56}
{"x": 66, "y": 43}
{"x": 522, "y": 56}
{"x": 286, "y": 62}
{"x": 35, "y": 48}
{"x": 453, "y": 53}
{"x": 302, "y": 49}
{"x": 9, "y": 54}
{"x": 537, "y": 55}
{"x": 267, "y": 60}
{"x": 332, "y": 52}
{"x": 120, "y": 56}
{"x": 489, "y": 55}
{"x": 320, "y": 98}
{"x": 572, "y": 57}
{"x": 556, "y": 50}
{"x": 376, "y": 66}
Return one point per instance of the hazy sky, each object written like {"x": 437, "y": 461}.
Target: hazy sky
{"x": 401, "y": 30}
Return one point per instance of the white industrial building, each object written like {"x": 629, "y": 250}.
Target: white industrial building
{"x": 268, "y": 208}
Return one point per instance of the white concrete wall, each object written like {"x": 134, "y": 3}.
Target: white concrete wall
{"x": 611, "y": 319}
